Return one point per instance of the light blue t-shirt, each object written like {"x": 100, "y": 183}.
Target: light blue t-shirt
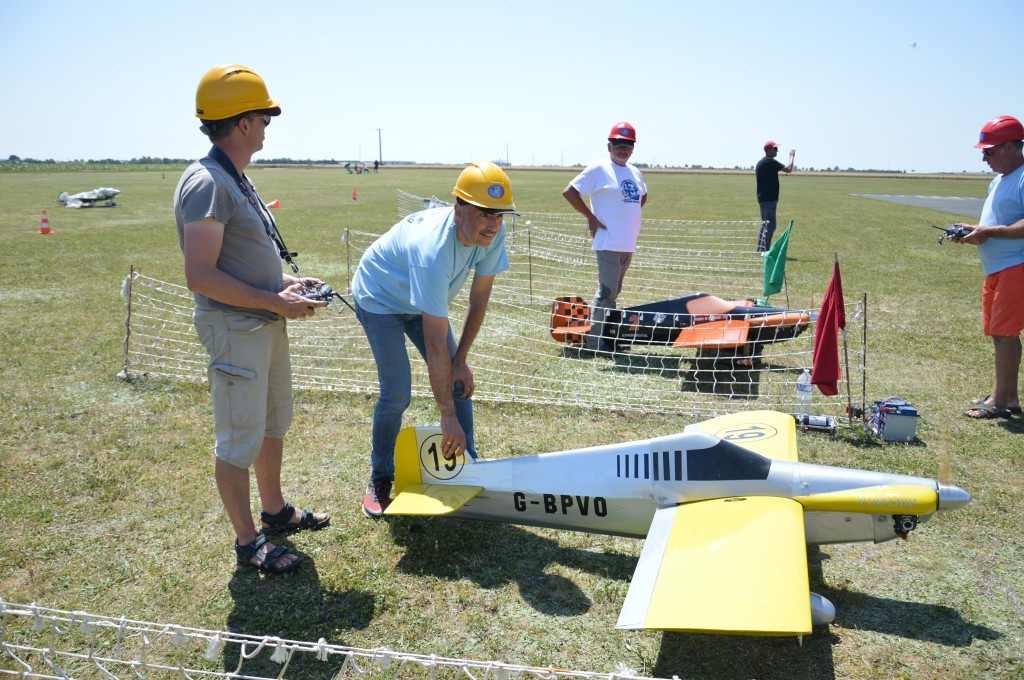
{"x": 420, "y": 266}
{"x": 1004, "y": 205}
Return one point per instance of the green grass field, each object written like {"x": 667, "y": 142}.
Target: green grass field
{"x": 110, "y": 507}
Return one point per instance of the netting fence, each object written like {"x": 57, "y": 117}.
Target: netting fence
{"x": 516, "y": 358}
{"x": 39, "y": 642}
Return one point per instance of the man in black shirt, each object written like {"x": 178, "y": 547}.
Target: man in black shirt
{"x": 767, "y": 171}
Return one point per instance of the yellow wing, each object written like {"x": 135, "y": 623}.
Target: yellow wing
{"x": 768, "y": 433}
{"x": 732, "y": 565}
{"x": 431, "y": 499}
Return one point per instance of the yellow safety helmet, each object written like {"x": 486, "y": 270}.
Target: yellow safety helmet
{"x": 230, "y": 89}
{"x": 486, "y": 186}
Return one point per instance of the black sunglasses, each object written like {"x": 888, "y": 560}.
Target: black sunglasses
{"x": 265, "y": 116}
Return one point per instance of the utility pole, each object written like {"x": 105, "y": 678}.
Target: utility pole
{"x": 380, "y": 151}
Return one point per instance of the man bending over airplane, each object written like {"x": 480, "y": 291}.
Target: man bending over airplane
{"x": 403, "y": 287}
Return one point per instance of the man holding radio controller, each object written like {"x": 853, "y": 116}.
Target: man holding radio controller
{"x": 999, "y": 237}
{"x": 233, "y": 256}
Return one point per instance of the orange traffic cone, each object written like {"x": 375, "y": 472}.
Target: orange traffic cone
{"x": 274, "y": 204}
{"x": 44, "y": 228}
{"x": 353, "y": 193}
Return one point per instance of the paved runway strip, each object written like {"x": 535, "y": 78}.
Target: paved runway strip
{"x": 958, "y": 205}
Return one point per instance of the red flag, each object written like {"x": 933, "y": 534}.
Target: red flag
{"x": 825, "y": 372}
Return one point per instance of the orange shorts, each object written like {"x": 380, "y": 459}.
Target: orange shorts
{"x": 1002, "y": 302}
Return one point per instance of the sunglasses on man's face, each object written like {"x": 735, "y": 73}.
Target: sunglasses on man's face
{"x": 991, "y": 151}
{"x": 266, "y": 118}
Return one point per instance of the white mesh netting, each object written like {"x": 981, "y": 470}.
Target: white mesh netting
{"x": 40, "y": 642}
{"x": 515, "y": 358}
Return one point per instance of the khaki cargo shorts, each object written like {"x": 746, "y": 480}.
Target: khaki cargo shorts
{"x": 250, "y": 376}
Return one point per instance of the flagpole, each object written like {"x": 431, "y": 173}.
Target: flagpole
{"x": 774, "y": 267}
{"x": 864, "y": 362}
{"x": 785, "y": 280}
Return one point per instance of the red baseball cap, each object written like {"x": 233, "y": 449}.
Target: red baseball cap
{"x": 771, "y": 145}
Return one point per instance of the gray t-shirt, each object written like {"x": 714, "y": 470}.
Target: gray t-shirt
{"x": 247, "y": 253}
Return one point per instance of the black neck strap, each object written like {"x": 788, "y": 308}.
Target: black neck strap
{"x": 218, "y": 155}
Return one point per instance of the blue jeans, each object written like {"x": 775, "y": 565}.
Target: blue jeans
{"x": 764, "y": 237}
{"x": 386, "y": 334}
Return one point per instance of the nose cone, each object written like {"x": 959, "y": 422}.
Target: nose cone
{"x": 952, "y": 497}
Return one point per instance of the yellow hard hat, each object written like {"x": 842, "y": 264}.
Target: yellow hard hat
{"x": 486, "y": 186}
{"x": 230, "y": 89}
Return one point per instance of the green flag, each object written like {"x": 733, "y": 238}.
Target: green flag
{"x": 775, "y": 263}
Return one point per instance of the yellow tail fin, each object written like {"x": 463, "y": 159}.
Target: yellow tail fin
{"x": 431, "y": 499}
{"x": 407, "y": 460}
{"x": 412, "y": 495}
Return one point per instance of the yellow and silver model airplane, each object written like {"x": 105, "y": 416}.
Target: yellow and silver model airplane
{"x": 725, "y": 507}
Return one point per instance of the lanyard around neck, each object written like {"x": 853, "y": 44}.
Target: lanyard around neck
{"x": 218, "y": 155}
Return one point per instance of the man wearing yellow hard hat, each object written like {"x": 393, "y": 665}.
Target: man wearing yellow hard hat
{"x": 233, "y": 255}
{"x": 402, "y": 288}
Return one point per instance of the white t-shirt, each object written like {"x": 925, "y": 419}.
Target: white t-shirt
{"x": 615, "y": 193}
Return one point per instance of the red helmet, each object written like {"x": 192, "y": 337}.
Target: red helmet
{"x": 771, "y": 145}
{"x": 623, "y": 130}
{"x": 1000, "y": 130}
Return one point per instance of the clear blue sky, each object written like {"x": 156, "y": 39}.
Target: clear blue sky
{"x": 902, "y": 85}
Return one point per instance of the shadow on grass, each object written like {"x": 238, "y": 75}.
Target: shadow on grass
{"x": 665, "y": 365}
{"x": 720, "y": 377}
{"x": 495, "y": 554}
{"x": 936, "y": 624}
{"x": 693, "y": 655}
{"x": 728, "y": 378}
{"x": 293, "y": 606}
{"x": 688, "y": 655}
{"x": 1014, "y": 425}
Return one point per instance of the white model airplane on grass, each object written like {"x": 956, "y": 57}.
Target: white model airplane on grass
{"x": 89, "y": 199}
{"x": 726, "y": 508}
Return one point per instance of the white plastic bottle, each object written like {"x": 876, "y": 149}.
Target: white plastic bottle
{"x": 804, "y": 393}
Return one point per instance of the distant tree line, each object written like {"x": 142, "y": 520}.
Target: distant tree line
{"x": 299, "y": 161}
{"x": 145, "y": 160}
{"x": 152, "y": 160}
{"x": 750, "y": 168}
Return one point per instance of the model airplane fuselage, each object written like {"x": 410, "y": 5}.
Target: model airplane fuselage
{"x": 701, "y": 321}
{"x": 89, "y": 199}
{"x": 725, "y": 507}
